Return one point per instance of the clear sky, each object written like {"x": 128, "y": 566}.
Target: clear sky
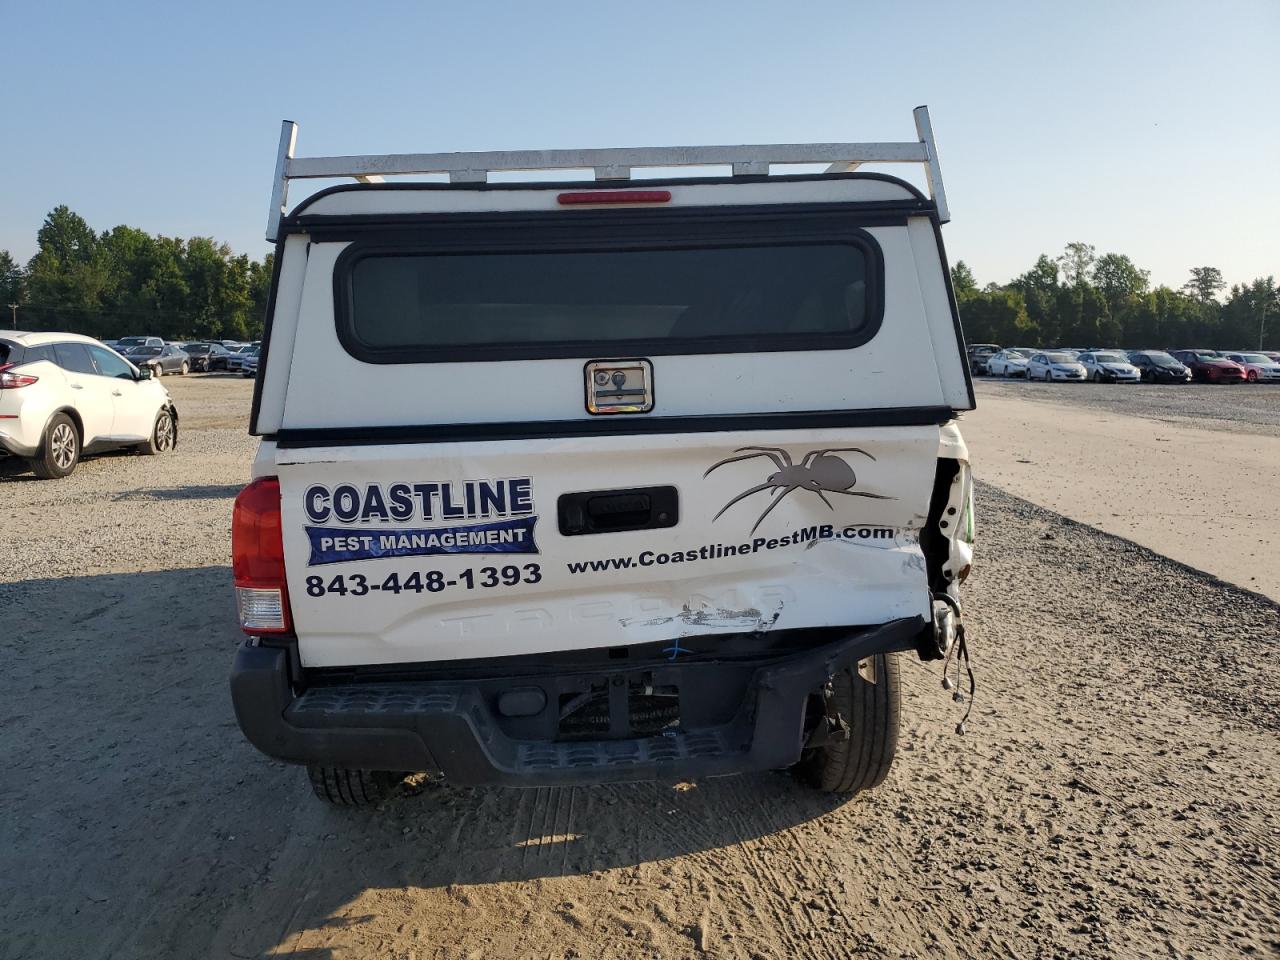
{"x": 1146, "y": 128}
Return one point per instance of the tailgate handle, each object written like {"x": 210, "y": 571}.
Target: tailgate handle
{"x": 612, "y": 511}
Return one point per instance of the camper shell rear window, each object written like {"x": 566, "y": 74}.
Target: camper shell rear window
{"x": 650, "y": 286}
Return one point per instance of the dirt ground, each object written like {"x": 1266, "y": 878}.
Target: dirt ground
{"x": 1115, "y": 796}
{"x": 1191, "y": 471}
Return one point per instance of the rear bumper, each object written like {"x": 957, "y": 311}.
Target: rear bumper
{"x": 14, "y": 444}
{"x": 735, "y": 716}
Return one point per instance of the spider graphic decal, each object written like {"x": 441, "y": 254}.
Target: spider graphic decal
{"x": 819, "y": 472}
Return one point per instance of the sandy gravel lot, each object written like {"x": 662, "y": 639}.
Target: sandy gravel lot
{"x": 1192, "y": 471}
{"x": 1116, "y": 795}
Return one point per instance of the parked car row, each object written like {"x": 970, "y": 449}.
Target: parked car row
{"x": 199, "y": 356}
{"x": 1125, "y": 366}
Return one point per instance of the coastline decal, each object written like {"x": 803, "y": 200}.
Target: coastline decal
{"x": 818, "y": 471}
{"x": 350, "y": 522}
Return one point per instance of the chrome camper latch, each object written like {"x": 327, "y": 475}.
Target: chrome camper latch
{"x": 619, "y": 386}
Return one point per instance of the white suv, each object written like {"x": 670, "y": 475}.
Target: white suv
{"x": 62, "y": 395}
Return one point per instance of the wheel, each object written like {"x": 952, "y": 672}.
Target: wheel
{"x": 1253, "y": 376}
{"x": 1146, "y": 376}
{"x": 352, "y": 788}
{"x": 870, "y": 705}
{"x": 184, "y": 369}
{"x": 157, "y": 370}
{"x": 60, "y": 451}
{"x": 164, "y": 435}
{"x": 1095, "y": 377}
{"x": 1048, "y": 377}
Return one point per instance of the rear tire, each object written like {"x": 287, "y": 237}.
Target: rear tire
{"x": 344, "y": 787}
{"x": 60, "y": 450}
{"x": 871, "y": 710}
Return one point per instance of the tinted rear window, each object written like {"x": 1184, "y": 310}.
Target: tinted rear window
{"x": 74, "y": 358}
{"x": 397, "y": 306}
{"x": 42, "y": 352}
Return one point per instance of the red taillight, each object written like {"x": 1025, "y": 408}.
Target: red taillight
{"x": 12, "y": 381}
{"x": 257, "y": 558}
{"x": 614, "y": 196}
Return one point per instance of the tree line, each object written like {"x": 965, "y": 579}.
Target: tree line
{"x": 1082, "y": 299}
{"x": 126, "y": 281}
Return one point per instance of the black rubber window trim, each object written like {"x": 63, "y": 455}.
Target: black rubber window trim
{"x": 529, "y": 238}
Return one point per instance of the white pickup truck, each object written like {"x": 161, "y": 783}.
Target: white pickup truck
{"x": 609, "y": 480}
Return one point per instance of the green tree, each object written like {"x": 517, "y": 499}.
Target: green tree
{"x": 1176, "y": 318}
{"x": 128, "y": 281}
{"x": 259, "y": 293}
{"x": 1118, "y": 279}
{"x": 1076, "y": 262}
{"x": 1039, "y": 289}
{"x": 1043, "y": 276}
{"x": 1252, "y": 315}
{"x": 12, "y": 281}
{"x": 66, "y": 236}
{"x": 997, "y": 316}
{"x": 963, "y": 280}
{"x": 1083, "y": 318}
{"x": 66, "y": 278}
{"x": 1204, "y": 284}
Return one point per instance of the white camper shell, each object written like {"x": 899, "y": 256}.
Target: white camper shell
{"x": 619, "y": 479}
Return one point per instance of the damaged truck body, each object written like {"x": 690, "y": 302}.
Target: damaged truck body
{"x": 622, "y": 479}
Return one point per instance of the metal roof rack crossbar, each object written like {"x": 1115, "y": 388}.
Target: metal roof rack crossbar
{"x": 614, "y": 163}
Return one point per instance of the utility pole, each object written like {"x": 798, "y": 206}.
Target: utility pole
{"x": 14, "y": 308}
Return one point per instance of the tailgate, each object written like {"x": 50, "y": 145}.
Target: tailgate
{"x": 421, "y": 552}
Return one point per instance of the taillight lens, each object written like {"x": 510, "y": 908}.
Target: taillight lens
{"x": 257, "y": 559}
{"x": 12, "y": 381}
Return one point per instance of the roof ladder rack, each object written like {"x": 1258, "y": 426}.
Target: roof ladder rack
{"x": 607, "y": 164}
